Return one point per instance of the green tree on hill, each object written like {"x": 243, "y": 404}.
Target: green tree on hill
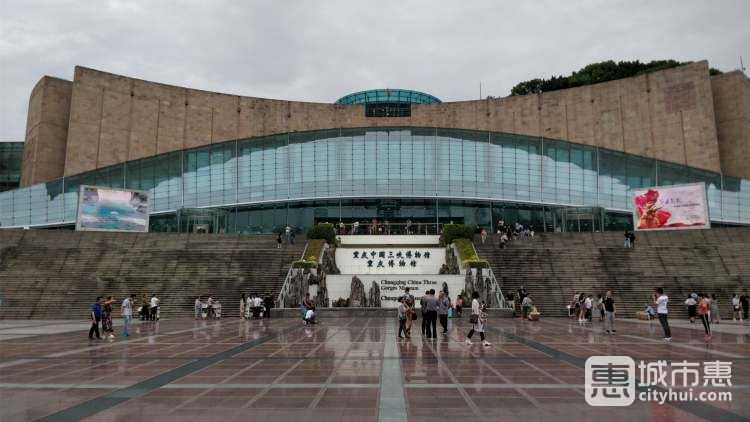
{"x": 596, "y": 73}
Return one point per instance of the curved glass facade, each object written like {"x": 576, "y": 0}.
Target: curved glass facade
{"x": 419, "y": 173}
{"x": 11, "y": 155}
{"x": 388, "y": 96}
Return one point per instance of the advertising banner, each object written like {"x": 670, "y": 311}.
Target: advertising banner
{"x": 110, "y": 209}
{"x": 670, "y": 207}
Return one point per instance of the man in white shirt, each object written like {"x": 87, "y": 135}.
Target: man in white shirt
{"x": 661, "y": 300}
{"x": 154, "y": 307}
{"x": 210, "y": 309}
{"x": 258, "y": 304}
{"x": 127, "y": 313}
{"x": 588, "y": 304}
{"x": 736, "y": 308}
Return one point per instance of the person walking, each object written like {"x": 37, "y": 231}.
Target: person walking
{"x": 268, "y": 303}
{"x": 476, "y": 320}
{"x": 243, "y": 301}
{"x": 154, "y": 308}
{"x": 459, "y": 306}
{"x": 144, "y": 308}
{"x": 704, "y": 306}
{"x": 599, "y": 305}
{"x": 715, "y": 317}
{"x": 96, "y": 316}
{"x": 278, "y": 241}
{"x": 609, "y": 313}
{"x": 423, "y": 311}
{"x": 432, "y": 306}
{"x": 736, "y": 308}
{"x": 401, "y": 318}
{"x": 661, "y": 301}
{"x": 483, "y": 235}
{"x": 410, "y": 312}
{"x": 627, "y": 239}
{"x": 107, "y": 329}
{"x": 691, "y": 304}
{"x": 198, "y": 307}
{"x": 745, "y": 303}
{"x": 127, "y": 314}
{"x": 589, "y": 304}
{"x": 444, "y": 304}
{"x": 582, "y": 307}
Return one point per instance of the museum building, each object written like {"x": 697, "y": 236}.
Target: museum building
{"x": 558, "y": 161}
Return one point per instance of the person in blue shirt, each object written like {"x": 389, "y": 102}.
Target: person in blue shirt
{"x": 96, "y": 316}
{"x": 650, "y": 311}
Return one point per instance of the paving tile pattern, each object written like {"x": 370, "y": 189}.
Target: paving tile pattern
{"x": 336, "y": 371}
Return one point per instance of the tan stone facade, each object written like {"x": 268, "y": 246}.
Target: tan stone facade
{"x": 46, "y": 131}
{"x": 109, "y": 119}
{"x": 732, "y": 107}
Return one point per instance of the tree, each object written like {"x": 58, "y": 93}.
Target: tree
{"x": 596, "y": 73}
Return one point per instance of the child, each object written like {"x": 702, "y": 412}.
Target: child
{"x": 310, "y": 316}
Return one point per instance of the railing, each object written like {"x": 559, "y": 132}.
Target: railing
{"x": 494, "y": 285}
{"x": 499, "y": 296}
{"x": 389, "y": 228}
{"x": 286, "y": 286}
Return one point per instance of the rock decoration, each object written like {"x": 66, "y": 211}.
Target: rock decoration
{"x": 374, "y": 296}
{"x": 451, "y": 262}
{"x": 357, "y": 297}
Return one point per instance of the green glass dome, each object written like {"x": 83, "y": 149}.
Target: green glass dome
{"x": 403, "y": 96}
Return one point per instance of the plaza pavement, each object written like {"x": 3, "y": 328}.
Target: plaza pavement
{"x": 344, "y": 370}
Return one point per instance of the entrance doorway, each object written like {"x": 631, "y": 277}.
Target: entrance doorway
{"x": 390, "y": 226}
{"x": 574, "y": 219}
{"x": 202, "y": 220}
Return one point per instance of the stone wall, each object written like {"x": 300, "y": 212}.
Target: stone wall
{"x": 46, "y": 131}
{"x": 731, "y": 93}
{"x": 667, "y": 115}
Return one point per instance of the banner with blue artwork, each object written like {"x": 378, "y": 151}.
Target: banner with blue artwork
{"x": 110, "y": 209}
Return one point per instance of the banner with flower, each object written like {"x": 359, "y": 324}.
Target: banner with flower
{"x": 670, "y": 207}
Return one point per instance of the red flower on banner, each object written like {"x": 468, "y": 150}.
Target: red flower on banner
{"x": 649, "y": 215}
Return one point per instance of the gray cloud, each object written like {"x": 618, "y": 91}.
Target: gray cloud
{"x": 321, "y": 50}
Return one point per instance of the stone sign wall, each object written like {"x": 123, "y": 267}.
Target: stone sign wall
{"x": 392, "y": 286}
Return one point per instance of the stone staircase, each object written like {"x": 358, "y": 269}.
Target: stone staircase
{"x": 58, "y": 273}
{"x": 554, "y": 266}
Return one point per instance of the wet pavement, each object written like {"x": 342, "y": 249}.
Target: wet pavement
{"x": 347, "y": 369}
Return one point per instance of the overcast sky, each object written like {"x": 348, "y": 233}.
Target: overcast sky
{"x": 321, "y": 50}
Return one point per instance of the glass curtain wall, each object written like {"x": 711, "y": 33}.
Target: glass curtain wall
{"x": 302, "y": 177}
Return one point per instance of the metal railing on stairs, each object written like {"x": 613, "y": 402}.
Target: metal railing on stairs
{"x": 284, "y": 289}
{"x": 494, "y": 285}
{"x": 283, "y": 293}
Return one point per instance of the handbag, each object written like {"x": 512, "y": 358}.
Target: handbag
{"x": 474, "y": 318}
{"x": 413, "y": 315}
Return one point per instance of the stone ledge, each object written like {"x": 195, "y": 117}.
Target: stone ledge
{"x": 370, "y": 312}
